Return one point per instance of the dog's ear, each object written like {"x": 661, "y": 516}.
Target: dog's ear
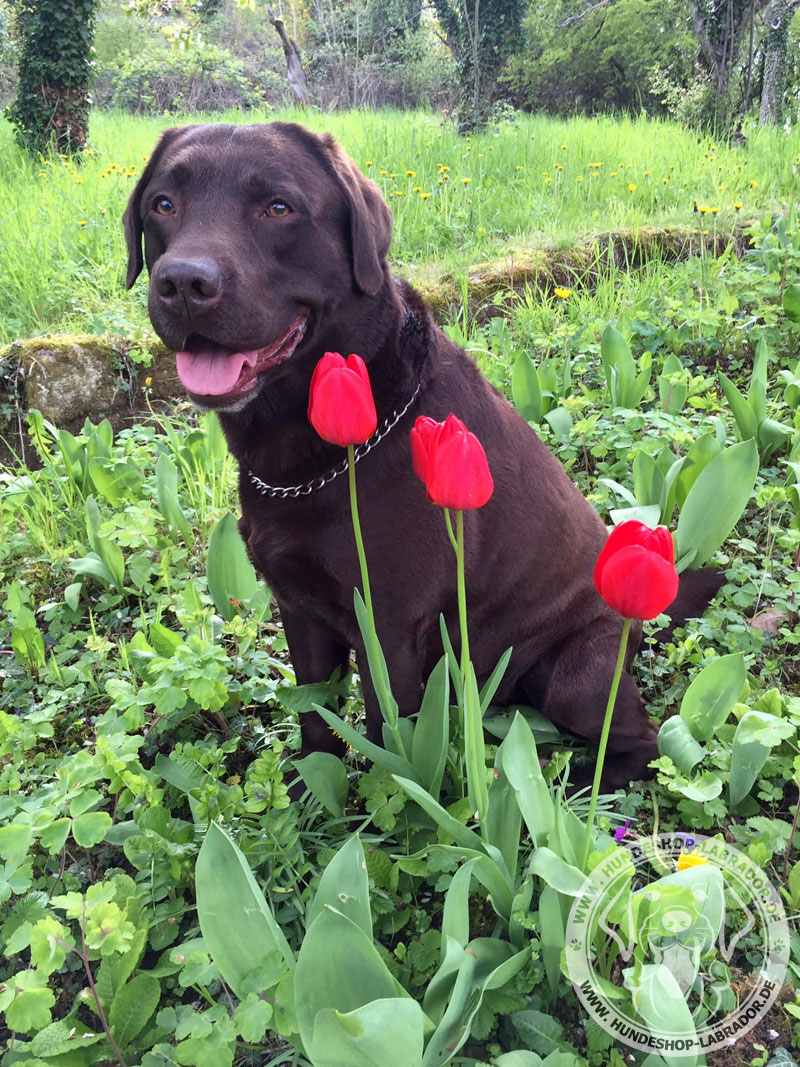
{"x": 132, "y": 218}
{"x": 370, "y": 222}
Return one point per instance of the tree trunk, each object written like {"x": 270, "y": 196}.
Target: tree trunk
{"x": 51, "y": 110}
{"x": 294, "y": 66}
{"x": 777, "y": 18}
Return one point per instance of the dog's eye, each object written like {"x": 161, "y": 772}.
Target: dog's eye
{"x": 278, "y": 209}
{"x": 162, "y": 205}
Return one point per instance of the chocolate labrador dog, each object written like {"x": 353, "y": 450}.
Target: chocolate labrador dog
{"x": 266, "y": 248}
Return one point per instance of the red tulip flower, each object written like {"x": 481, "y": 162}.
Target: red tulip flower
{"x": 451, "y": 462}
{"x": 635, "y": 573}
{"x": 340, "y": 404}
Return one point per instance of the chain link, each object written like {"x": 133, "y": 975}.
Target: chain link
{"x": 294, "y": 491}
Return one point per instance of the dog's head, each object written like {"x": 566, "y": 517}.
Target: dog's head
{"x": 263, "y": 243}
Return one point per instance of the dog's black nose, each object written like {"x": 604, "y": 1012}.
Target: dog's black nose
{"x": 193, "y": 284}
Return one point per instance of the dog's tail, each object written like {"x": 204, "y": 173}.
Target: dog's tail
{"x": 696, "y": 590}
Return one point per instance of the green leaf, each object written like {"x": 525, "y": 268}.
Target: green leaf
{"x": 252, "y": 1017}
{"x": 390, "y": 761}
{"x": 90, "y": 828}
{"x": 167, "y": 494}
{"x": 551, "y": 927}
{"x": 16, "y": 840}
{"x": 648, "y": 479}
{"x": 238, "y": 927}
{"x": 675, "y": 740}
{"x": 791, "y": 302}
{"x": 338, "y": 968}
{"x": 716, "y": 501}
{"x": 432, "y": 730}
{"x": 541, "y": 1033}
{"x": 133, "y": 1007}
{"x": 695, "y": 461}
{"x": 451, "y": 827}
{"x": 660, "y": 1003}
{"x": 344, "y": 886}
{"x": 756, "y": 735}
{"x": 559, "y": 874}
{"x": 526, "y": 391}
{"x": 520, "y": 763}
{"x": 704, "y": 787}
{"x": 518, "y": 1059}
{"x": 618, "y": 365}
{"x": 30, "y": 1009}
{"x": 455, "y": 917}
{"x": 326, "y": 777}
{"x": 746, "y": 420}
{"x": 559, "y": 421}
{"x": 229, "y": 572}
{"x": 388, "y": 1031}
{"x": 711, "y": 695}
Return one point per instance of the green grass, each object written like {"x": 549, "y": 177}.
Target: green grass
{"x": 62, "y": 254}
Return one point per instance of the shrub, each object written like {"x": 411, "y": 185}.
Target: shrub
{"x": 203, "y": 78}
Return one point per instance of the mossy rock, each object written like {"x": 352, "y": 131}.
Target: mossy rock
{"x": 543, "y": 268}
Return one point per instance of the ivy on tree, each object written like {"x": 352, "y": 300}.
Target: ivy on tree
{"x": 51, "y": 110}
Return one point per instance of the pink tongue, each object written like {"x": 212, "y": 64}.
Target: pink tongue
{"x": 211, "y": 373}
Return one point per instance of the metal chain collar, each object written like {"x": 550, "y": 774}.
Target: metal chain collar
{"x": 295, "y": 491}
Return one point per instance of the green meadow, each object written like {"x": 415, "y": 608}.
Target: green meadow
{"x": 456, "y": 201}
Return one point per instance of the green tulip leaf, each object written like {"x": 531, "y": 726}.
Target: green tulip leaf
{"x": 716, "y": 501}
{"x": 711, "y": 695}
{"x": 675, "y": 741}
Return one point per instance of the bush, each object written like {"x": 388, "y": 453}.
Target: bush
{"x": 202, "y": 78}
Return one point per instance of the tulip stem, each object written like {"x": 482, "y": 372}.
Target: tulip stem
{"x": 462, "y": 590}
{"x": 601, "y": 749}
{"x": 474, "y": 746}
{"x": 378, "y": 680}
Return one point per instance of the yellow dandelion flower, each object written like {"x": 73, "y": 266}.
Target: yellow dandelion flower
{"x": 563, "y": 148}
{"x": 82, "y": 222}
{"x": 713, "y": 210}
{"x": 631, "y": 188}
{"x": 533, "y": 136}
{"x": 417, "y": 189}
{"x": 398, "y": 192}
{"x": 665, "y": 181}
{"x": 686, "y": 860}
{"x": 424, "y": 196}
{"x": 440, "y": 181}
{"x": 738, "y": 205}
{"x": 672, "y": 166}
{"x": 562, "y": 293}
{"x": 466, "y": 181}
{"x": 613, "y": 173}
{"x": 720, "y": 188}
{"x": 547, "y": 181}
{"x": 393, "y": 176}
{"x": 579, "y": 178}
{"x": 368, "y": 163}
{"x": 713, "y": 148}
{"x": 753, "y": 185}
{"x": 481, "y": 230}
{"x": 148, "y": 382}
{"x": 703, "y": 209}
{"x": 519, "y": 167}
{"x": 647, "y": 174}
{"x": 384, "y": 172}
{"x": 42, "y": 174}
{"x": 411, "y": 174}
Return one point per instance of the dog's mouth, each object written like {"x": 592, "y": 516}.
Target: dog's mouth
{"x": 208, "y": 369}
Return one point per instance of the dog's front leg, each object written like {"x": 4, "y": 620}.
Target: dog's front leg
{"x": 315, "y": 656}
